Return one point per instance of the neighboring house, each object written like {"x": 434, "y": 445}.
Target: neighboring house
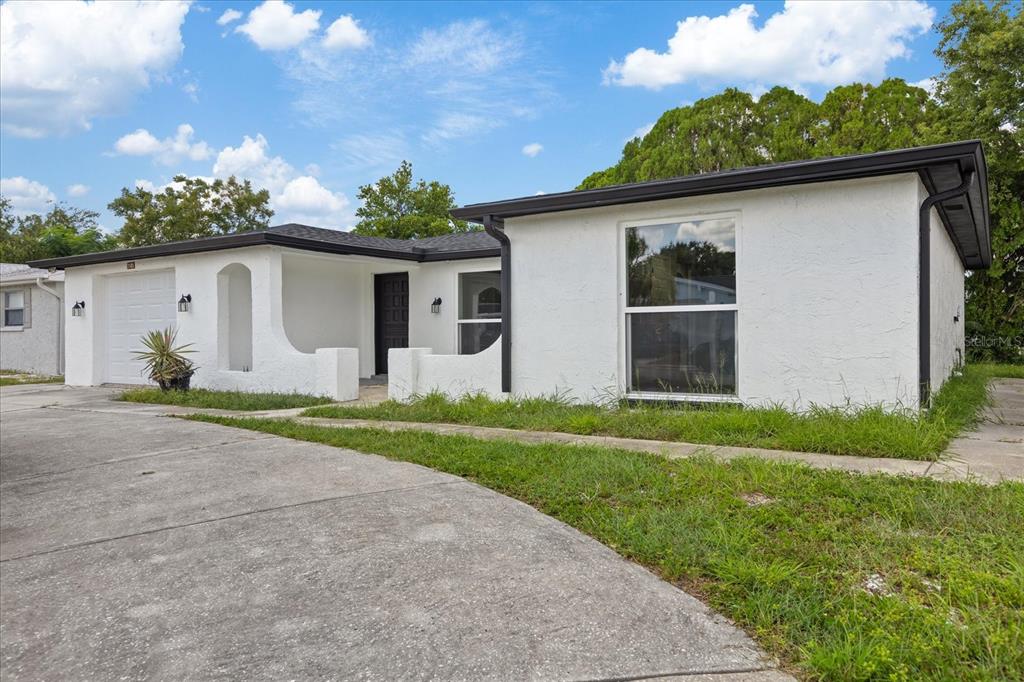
{"x": 831, "y": 282}
{"x": 31, "y": 333}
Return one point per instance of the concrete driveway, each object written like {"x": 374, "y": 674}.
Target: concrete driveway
{"x": 137, "y": 546}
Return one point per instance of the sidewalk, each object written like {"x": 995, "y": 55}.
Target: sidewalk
{"x": 992, "y": 453}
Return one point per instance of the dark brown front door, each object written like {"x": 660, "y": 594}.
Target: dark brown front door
{"x": 391, "y": 296}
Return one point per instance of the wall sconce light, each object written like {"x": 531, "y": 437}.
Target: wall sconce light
{"x": 435, "y": 307}
{"x": 185, "y": 303}
{"x": 78, "y": 309}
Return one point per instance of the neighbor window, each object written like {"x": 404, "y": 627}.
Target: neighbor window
{"x": 14, "y": 308}
{"x": 479, "y": 310}
{"x": 681, "y": 307}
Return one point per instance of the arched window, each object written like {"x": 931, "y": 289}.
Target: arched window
{"x": 488, "y": 303}
{"x": 234, "y": 318}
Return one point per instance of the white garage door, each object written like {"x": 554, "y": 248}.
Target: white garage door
{"x": 137, "y": 304}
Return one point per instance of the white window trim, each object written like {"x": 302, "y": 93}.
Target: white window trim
{"x": 626, "y": 310}
{"x": 24, "y": 309}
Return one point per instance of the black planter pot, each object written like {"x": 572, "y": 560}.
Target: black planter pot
{"x": 180, "y": 383}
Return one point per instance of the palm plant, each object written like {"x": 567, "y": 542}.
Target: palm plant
{"x": 166, "y": 363}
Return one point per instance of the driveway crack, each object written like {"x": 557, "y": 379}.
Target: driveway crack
{"x": 228, "y": 517}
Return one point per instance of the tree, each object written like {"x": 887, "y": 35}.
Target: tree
{"x": 63, "y": 231}
{"x": 731, "y": 130}
{"x": 190, "y": 208}
{"x": 398, "y": 208}
{"x": 982, "y": 96}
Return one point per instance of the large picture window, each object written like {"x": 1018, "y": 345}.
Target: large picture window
{"x": 479, "y": 310}
{"x": 681, "y": 307}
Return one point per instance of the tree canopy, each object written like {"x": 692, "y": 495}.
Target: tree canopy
{"x": 399, "y": 208}
{"x": 190, "y": 208}
{"x": 732, "y": 130}
{"x": 982, "y": 95}
{"x": 62, "y": 231}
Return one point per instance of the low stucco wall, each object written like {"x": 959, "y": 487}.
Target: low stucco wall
{"x": 35, "y": 349}
{"x": 826, "y": 293}
{"x": 418, "y": 371}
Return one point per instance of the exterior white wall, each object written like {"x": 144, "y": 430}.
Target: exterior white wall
{"x": 37, "y": 347}
{"x": 323, "y": 301}
{"x": 946, "y": 286}
{"x": 826, "y": 287}
{"x": 439, "y": 280}
{"x": 277, "y": 366}
{"x": 301, "y": 302}
{"x": 418, "y": 371}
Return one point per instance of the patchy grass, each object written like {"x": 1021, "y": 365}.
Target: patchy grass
{"x": 223, "y": 400}
{"x": 1005, "y": 370}
{"x": 843, "y": 576}
{"x": 867, "y": 432}
{"x": 14, "y": 378}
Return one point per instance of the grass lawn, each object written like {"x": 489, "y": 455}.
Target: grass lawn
{"x": 224, "y": 400}
{"x": 866, "y": 432}
{"x": 786, "y": 551}
{"x": 13, "y": 378}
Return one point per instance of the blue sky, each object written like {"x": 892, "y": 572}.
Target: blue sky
{"x": 313, "y": 99}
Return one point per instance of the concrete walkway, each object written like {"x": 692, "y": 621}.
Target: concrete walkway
{"x": 992, "y": 453}
{"x": 136, "y": 546}
{"x": 995, "y": 449}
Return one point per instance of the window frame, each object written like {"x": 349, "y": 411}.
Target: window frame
{"x": 459, "y": 320}
{"x": 3, "y": 308}
{"x": 627, "y": 310}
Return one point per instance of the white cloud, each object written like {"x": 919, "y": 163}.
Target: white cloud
{"x": 192, "y": 90}
{"x": 926, "y": 84}
{"x": 229, "y": 16}
{"x": 822, "y": 43}
{"x": 147, "y": 185}
{"x": 533, "y": 149}
{"x": 345, "y": 34}
{"x": 305, "y": 200}
{"x": 449, "y": 89}
{"x": 64, "y": 63}
{"x": 373, "y": 150}
{"x": 169, "y": 151}
{"x": 78, "y": 190}
{"x": 275, "y": 25}
{"x": 293, "y": 196}
{"x": 455, "y": 46}
{"x": 26, "y": 196}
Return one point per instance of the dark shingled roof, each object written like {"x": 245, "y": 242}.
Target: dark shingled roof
{"x": 305, "y": 237}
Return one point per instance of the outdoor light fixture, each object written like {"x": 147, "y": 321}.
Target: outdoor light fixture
{"x": 78, "y": 309}
{"x": 184, "y": 303}
{"x": 435, "y": 307}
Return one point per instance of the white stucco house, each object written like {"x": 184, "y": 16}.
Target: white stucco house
{"x": 31, "y": 326}
{"x": 828, "y": 282}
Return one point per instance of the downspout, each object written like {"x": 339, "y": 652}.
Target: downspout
{"x": 924, "y": 301}
{"x": 495, "y": 226}
{"x": 60, "y": 322}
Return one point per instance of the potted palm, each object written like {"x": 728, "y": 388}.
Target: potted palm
{"x": 166, "y": 363}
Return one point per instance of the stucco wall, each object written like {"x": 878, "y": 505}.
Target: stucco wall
{"x": 322, "y": 302}
{"x": 826, "y": 286}
{"x": 946, "y": 285}
{"x": 277, "y": 366}
{"x": 300, "y": 302}
{"x": 36, "y": 348}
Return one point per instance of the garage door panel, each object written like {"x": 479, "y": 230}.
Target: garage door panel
{"x": 137, "y": 304}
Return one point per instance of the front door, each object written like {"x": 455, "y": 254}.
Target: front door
{"x": 391, "y": 303}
